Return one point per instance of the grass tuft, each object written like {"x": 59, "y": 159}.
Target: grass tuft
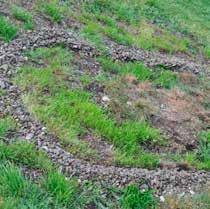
{"x": 133, "y": 198}
{"x": 22, "y": 152}
{"x": 7, "y": 30}
{"x": 53, "y": 10}
{"x": 23, "y": 15}
{"x": 64, "y": 191}
{"x": 6, "y": 124}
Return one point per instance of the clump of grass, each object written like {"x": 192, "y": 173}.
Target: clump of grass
{"x": 53, "y": 10}
{"x": 64, "y": 191}
{"x": 133, "y": 198}
{"x": 7, "y": 30}
{"x": 18, "y": 192}
{"x": 160, "y": 77}
{"x": 204, "y": 148}
{"x": 6, "y": 124}
{"x": 22, "y": 152}
{"x": 23, "y": 15}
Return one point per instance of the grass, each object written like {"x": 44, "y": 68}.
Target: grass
{"x": 24, "y": 153}
{"x": 134, "y": 198}
{"x": 52, "y": 189}
{"x": 199, "y": 200}
{"x": 18, "y": 192}
{"x": 159, "y": 77}
{"x": 6, "y": 124}
{"x": 55, "y": 191}
{"x": 155, "y": 25}
{"x": 52, "y": 10}
{"x": 64, "y": 191}
{"x": 72, "y": 112}
{"x": 200, "y": 157}
{"x": 23, "y": 15}
{"x": 7, "y": 30}
{"x": 135, "y": 30}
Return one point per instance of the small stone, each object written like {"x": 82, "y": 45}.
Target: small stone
{"x": 192, "y": 192}
{"x": 29, "y": 136}
{"x": 162, "y": 199}
{"x": 105, "y": 98}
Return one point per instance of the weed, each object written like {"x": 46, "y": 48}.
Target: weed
{"x": 7, "y": 30}
{"x": 23, "y": 15}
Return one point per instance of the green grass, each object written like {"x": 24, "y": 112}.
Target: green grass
{"x": 56, "y": 191}
{"x": 23, "y": 15}
{"x": 156, "y": 24}
{"x": 6, "y": 124}
{"x": 199, "y": 158}
{"x": 159, "y": 77}
{"x": 136, "y": 199}
{"x": 18, "y": 192}
{"x": 24, "y": 153}
{"x": 8, "y": 31}
{"x": 72, "y": 112}
{"x": 136, "y": 30}
{"x": 52, "y": 10}
{"x": 64, "y": 191}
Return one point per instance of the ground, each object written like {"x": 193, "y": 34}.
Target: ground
{"x": 104, "y": 104}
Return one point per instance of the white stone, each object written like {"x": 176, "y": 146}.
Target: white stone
{"x": 105, "y": 98}
{"x": 192, "y": 192}
{"x": 162, "y": 199}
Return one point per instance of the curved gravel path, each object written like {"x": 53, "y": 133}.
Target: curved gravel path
{"x": 11, "y": 57}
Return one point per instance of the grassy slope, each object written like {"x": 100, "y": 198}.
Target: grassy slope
{"x": 162, "y": 25}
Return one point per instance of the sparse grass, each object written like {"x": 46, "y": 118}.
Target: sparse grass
{"x": 200, "y": 158}
{"x": 198, "y": 201}
{"x": 23, "y": 15}
{"x": 2, "y": 92}
{"x": 72, "y": 111}
{"x": 6, "y": 124}
{"x": 7, "y": 30}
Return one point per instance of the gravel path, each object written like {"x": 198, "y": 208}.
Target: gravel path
{"x": 11, "y": 57}
{"x": 155, "y": 59}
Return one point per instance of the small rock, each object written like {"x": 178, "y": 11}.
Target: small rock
{"x": 162, "y": 199}
{"x": 192, "y": 192}
{"x": 105, "y": 98}
{"x": 29, "y": 136}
